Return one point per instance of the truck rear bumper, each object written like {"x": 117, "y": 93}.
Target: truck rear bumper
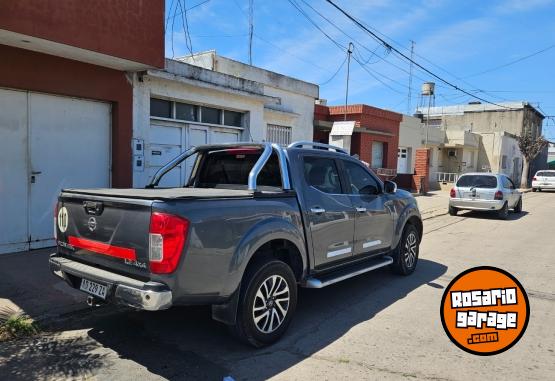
{"x": 150, "y": 296}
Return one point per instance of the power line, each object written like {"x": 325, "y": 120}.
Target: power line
{"x": 185, "y": 23}
{"x": 188, "y": 9}
{"x": 512, "y": 62}
{"x": 388, "y": 46}
{"x": 334, "y": 74}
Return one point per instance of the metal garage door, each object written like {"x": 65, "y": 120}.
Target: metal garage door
{"x": 168, "y": 139}
{"x": 48, "y": 143}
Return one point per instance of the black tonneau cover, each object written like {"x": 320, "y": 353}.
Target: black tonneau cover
{"x": 164, "y": 194}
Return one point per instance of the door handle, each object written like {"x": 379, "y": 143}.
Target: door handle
{"x": 317, "y": 210}
{"x": 361, "y": 210}
{"x": 36, "y": 172}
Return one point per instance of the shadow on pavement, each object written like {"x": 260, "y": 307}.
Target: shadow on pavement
{"x": 492, "y": 215}
{"x": 185, "y": 343}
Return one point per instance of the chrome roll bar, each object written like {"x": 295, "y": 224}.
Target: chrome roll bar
{"x": 302, "y": 144}
{"x": 253, "y": 174}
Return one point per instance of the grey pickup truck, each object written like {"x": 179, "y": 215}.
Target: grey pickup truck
{"x": 253, "y": 222}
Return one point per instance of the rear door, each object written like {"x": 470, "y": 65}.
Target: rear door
{"x": 109, "y": 232}
{"x": 329, "y": 212}
{"x": 374, "y": 219}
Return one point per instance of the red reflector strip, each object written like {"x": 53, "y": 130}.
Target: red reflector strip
{"x": 103, "y": 248}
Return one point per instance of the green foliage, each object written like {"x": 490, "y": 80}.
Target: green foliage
{"x": 16, "y": 324}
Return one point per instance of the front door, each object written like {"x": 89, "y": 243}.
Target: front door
{"x": 329, "y": 212}
{"x": 374, "y": 219}
{"x": 402, "y": 160}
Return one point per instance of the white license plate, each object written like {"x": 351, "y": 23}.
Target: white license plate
{"x": 94, "y": 288}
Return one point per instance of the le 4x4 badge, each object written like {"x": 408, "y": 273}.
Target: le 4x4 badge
{"x": 485, "y": 310}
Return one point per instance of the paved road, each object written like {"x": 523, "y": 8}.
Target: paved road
{"x": 375, "y": 326}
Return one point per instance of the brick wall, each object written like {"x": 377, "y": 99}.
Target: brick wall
{"x": 421, "y": 170}
{"x": 371, "y": 118}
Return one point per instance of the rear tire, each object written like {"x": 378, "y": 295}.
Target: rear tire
{"x": 266, "y": 304}
{"x": 503, "y": 213}
{"x": 534, "y": 189}
{"x": 405, "y": 255}
{"x": 453, "y": 211}
{"x": 539, "y": 189}
{"x": 518, "y": 206}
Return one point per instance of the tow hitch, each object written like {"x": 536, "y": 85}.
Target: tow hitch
{"x": 94, "y": 302}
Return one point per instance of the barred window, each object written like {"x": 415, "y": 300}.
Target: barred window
{"x": 278, "y": 134}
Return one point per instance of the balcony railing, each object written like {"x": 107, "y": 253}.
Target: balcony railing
{"x": 446, "y": 177}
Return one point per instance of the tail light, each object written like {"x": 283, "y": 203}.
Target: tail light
{"x": 498, "y": 195}
{"x": 453, "y": 193}
{"x": 167, "y": 236}
{"x": 534, "y": 178}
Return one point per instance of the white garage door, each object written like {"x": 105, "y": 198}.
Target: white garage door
{"x": 48, "y": 143}
{"x": 167, "y": 140}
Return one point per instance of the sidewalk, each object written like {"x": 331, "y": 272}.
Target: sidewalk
{"x": 434, "y": 204}
{"x": 26, "y": 284}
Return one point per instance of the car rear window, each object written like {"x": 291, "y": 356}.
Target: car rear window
{"x": 546, "y": 173}
{"x": 231, "y": 167}
{"x": 477, "y": 181}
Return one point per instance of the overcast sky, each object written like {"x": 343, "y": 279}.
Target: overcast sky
{"x": 465, "y": 42}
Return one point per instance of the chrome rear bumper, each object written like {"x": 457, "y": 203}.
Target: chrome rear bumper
{"x": 150, "y": 296}
{"x": 470, "y": 204}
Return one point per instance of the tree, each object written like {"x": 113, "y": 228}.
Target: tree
{"x": 530, "y": 148}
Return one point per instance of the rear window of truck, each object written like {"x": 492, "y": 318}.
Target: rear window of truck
{"x": 231, "y": 167}
{"x": 477, "y": 181}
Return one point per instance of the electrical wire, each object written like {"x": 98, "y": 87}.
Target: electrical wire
{"x": 388, "y": 46}
{"x": 334, "y": 74}
{"x": 512, "y": 62}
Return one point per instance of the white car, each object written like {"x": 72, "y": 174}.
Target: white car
{"x": 543, "y": 180}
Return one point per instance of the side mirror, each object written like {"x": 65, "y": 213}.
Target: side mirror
{"x": 389, "y": 187}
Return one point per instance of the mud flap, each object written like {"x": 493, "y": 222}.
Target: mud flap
{"x": 227, "y": 312}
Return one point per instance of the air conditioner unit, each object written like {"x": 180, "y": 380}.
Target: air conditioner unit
{"x": 452, "y": 153}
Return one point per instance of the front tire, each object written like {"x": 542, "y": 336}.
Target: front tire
{"x": 405, "y": 256}
{"x": 266, "y": 304}
{"x": 503, "y": 213}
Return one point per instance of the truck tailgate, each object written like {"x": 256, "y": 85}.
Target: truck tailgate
{"x": 107, "y": 232}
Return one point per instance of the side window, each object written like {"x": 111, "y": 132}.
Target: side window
{"x": 322, "y": 174}
{"x": 360, "y": 181}
{"x": 507, "y": 183}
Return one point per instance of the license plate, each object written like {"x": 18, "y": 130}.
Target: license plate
{"x": 94, "y": 288}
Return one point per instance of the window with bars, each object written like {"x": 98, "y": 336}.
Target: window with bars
{"x": 278, "y": 134}
{"x": 167, "y": 109}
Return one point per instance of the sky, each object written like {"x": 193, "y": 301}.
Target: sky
{"x": 471, "y": 44}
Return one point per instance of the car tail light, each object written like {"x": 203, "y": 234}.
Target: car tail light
{"x": 534, "y": 178}
{"x": 498, "y": 195}
{"x": 453, "y": 193}
{"x": 167, "y": 236}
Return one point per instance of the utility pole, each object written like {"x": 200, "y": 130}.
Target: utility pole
{"x": 349, "y": 52}
{"x": 410, "y": 78}
{"x": 251, "y": 28}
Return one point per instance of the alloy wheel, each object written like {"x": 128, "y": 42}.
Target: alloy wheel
{"x": 271, "y": 304}
{"x": 411, "y": 247}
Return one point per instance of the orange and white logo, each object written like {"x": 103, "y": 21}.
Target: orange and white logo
{"x": 485, "y": 310}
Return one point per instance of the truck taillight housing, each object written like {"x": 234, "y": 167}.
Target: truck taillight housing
{"x": 453, "y": 193}
{"x": 56, "y": 220}
{"x": 167, "y": 237}
{"x": 498, "y": 195}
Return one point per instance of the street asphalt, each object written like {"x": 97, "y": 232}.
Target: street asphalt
{"x": 375, "y": 326}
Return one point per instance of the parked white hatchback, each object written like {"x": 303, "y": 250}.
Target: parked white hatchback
{"x": 543, "y": 180}
{"x": 486, "y": 192}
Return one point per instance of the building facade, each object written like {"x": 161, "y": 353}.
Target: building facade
{"x": 66, "y": 103}
{"x": 374, "y": 135}
{"x": 498, "y": 127}
{"x": 208, "y": 99}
